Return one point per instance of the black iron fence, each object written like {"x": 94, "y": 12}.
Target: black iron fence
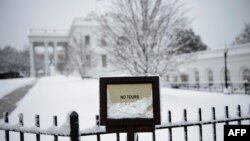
{"x": 74, "y": 134}
{"x": 237, "y": 88}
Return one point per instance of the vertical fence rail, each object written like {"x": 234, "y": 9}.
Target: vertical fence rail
{"x": 169, "y": 129}
{"x": 117, "y": 137}
{"x": 249, "y": 111}
{"x": 6, "y": 120}
{"x": 200, "y": 125}
{"x": 214, "y": 125}
{"x": 55, "y": 124}
{"x": 185, "y": 127}
{"x": 137, "y": 137}
{"x": 74, "y": 126}
{"x": 98, "y": 124}
{"x": 239, "y": 114}
{"x": 20, "y": 117}
{"x": 226, "y": 114}
{"x": 153, "y": 135}
{"x": 37, "y": 124}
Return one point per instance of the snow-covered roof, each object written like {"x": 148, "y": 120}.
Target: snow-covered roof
{"x": 47, "y": 32}
{"x": 232, "y": 51}
{"x": 89, "y": 20}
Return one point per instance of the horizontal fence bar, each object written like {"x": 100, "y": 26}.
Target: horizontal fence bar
{"x": 25, "y": 130}
{"x": 54, "y": 130}
{"x": 99, "y": 133}
{"x": 171, "y": 125}
{"x": 235, "y": 88}
{"x": 176, "y": 125}
{"x": 8, "y": 127}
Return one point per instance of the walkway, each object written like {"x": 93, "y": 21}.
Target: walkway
{"x": 8, "y": 102}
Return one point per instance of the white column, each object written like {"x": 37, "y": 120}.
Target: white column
{"x": 46, "y": 59}
{"x": 55, "y": 55}
{"x": 66, "y": 52}
{"x": 32, "y": 61}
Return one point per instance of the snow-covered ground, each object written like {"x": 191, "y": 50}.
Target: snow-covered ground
{"x": 9, "y": 85}
{"x": 58, "y": 95}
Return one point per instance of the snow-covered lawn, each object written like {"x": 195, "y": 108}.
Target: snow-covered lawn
{"x": 9, "y": 85}
{"x": 59, "y": 95}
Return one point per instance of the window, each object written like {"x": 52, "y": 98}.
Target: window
{"x": 210, "y": 77}
{"x": 87, "y": 40}
{"x": 104, "y": 61}
{"x": 246, "y": 75}
{"x": 167, "y": 78}
{"x": 196, "y": 75}
{"x": 87, "y": 57}
{"x": 88, "y": 60}
{"x": 103, "y": 43}
{"x": 184, "y": 78}
{"x": 175, "y": 79}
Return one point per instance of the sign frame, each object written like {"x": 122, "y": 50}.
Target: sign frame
{"x": 119, "y": 124}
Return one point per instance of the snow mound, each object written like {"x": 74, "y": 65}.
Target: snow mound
{"x": 137, "y": 109}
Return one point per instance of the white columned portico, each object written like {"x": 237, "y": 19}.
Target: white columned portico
{"x": 55, "y": 55}
{"x": 46, "y": 58}
{"x": 46, "y": 38}
{"x": 32, "y": 61}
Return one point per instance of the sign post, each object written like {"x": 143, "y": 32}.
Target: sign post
{"x": 130, "y": 104}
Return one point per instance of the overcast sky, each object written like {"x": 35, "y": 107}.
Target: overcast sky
{"x": 216, "y": 21}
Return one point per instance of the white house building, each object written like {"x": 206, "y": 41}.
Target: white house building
{"x": 59, "y": 41}
{"x": 207, "y": 66}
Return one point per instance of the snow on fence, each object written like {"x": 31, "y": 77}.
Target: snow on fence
{"x": 71, "y": 126}
{"x": 237, "y": 88}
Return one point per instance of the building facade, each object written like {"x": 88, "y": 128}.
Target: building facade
{"x": 58, "y": 42}
{"x": 209, "y": 66}
{"x": 206, "y": 67}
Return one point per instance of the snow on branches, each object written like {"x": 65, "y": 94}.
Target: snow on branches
{"x": 140, "y": 33}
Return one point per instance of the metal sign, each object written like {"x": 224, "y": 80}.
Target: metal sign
{"x": 129, "y": 101}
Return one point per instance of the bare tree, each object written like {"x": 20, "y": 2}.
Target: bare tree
{"x": 80, "y": 57}
{"x": 140, "y": 34}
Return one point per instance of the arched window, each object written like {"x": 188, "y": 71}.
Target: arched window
{"x": 210, "y": 76}
{"x": 167, "y": 78}
{"x": 196, "y": 75}
{"x": 246, "y": 75}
